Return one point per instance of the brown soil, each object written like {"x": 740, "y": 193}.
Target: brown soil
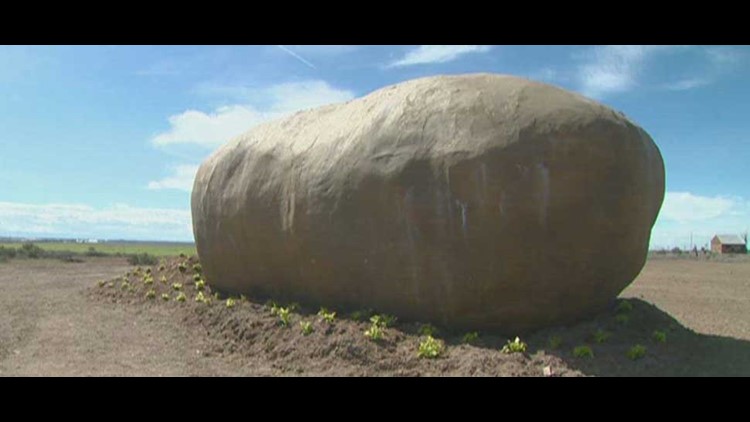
{"x": 58, "y": 321}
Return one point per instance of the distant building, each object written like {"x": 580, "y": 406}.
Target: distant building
{"x": 728, "y": 243}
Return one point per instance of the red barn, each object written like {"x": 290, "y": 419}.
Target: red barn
{"x": 728, "y": 243}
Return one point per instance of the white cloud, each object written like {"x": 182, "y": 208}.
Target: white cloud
{"x": 608, "y": 70}
{"x": 75, "y": 220}
{"x": 685, "y": 207}
{"x": 437, "y": 54}
{"x": 182, "y": 179}
{"x": 210, "y": 129}
{"x": 685, "y": 215}
{"x": 214, "y": 128}
{"x": 685, "y": 84}
{"x": 612, "y": 69}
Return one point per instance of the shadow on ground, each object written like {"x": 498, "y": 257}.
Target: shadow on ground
{"x": 684, "y": 353}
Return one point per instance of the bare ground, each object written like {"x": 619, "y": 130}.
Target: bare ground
{"x": 58, "y": 321}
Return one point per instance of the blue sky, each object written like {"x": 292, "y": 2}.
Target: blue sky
{"x": 104, "y": 141}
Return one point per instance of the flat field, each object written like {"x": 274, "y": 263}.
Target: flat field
{"x": 59, "y": 321}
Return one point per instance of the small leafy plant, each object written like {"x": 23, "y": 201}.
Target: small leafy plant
{"x": 327, "y": 315}
{"x": 375, "y": 332}
{"x": 111, "y": 284}
{"x": 151, "y": 294}
{"x": 148, "y": 281}
{"x": 200, "y": 297}
{"x": 182, "y": 267}
{"x": 515, "y": 346}
{"x": 430, "y": 348}
{"x": 554, "y": 342}
{"x": 177, "y": 286}
{"x": 162, "y": 267}
{"x": 196, "y": 277}
{"x": 163, "y": 279}
{"x": 101, "y": 283}
{"x": 229, "y": 303}
{"x": 183, "y": 256}
{"x": 636, "y": 352}
{"x": 125, "y": 285}
{"x": 181, "y": 297}
{"x": 383, "y": 320}
{"x": 164, "y": 297}
{"x": 197, "y": 268}
{"x": 471, "y": 337}
{"x": 583, "y": 351}
{"x": 307, "y": 327}
{"x": 148, "y": 270}
{"x": 659, "y": 336}
{"x": 283, "y": 316}
{"x": 428, "y": 330}
{"x": 600, "y": 336}
{"x": 200, "y": 285}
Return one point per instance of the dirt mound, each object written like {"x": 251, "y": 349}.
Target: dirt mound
{"x": 251, "y": 331}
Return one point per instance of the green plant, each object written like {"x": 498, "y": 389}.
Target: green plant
{"x": 326, "y": 315}
{"x": 196, "y": 277}
{"x": 307, "y": 327}
{"x": 197, "y": 268}
{"x": 125, "y": 285}
{"x": 374, "y": 332}
{"x": 148, "y": 270}
{"x": 659, "y": 336}
{"x": 554, "y": 342}
{"x": 515, "y": 346}
{"x": 101, "y": 283}
{"x": 182, "y": 267}
{"x": 162, "y": 267}
{"x": 111, "y": 284}
{"x": 624, "y": 306}
{"x": 622, "y": 319}
{"x": 200, "y": 285}
{"x": 164, "y": 297}
{"x": 148, "y": 281}
{"x": 636, "y": 352}
{"x": 177, "y": 286}
{"x": 600, "y": 336}
{"x": 200, "y": 297}
{"x": 283, "y": 316}
{"x": 151, "y": 294}
{"x": 430, "y": 348}
{"x": 428, "y": 330}
{"x": 183, "y": 256}
{"x": 293, "y": 306}
{"x": 383, "y": 320}
{"x": 471, "y": 338}
{"x": 230, "y": 303}
{"x": 181, "y": 297}
{"x": 163, "y": 279}
{"x": 583, "y": 352}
